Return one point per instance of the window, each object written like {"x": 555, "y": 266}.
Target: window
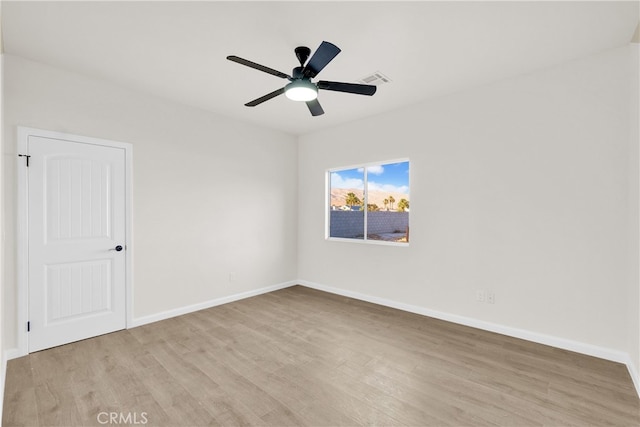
{"x": 383, "y": 188}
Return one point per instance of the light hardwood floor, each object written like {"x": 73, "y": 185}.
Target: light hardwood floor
{"x": 303, "y": 357}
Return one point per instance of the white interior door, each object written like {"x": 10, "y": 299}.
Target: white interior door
{"x": 76, "y": 223}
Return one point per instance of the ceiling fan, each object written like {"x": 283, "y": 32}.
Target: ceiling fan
{"x": 301, "y": 88}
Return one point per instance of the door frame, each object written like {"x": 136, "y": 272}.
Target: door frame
{"x": 22, "y": 222}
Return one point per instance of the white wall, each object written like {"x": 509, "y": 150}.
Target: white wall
{"x": 3, "y": 360}
{"x": 520, "y": 187}
{"x": 211, "y": 195}
{"x": 634, "y": 209}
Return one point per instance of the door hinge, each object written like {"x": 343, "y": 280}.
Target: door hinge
{"x": 25, "y": 155}
{"x": 28, "y": 326}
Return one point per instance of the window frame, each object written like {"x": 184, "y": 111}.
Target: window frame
{"x": 327, "y": 210}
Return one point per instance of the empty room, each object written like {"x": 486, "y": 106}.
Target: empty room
{"x": 320, "y": 213}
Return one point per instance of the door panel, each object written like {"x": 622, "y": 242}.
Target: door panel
{"x": 76, "y": 219}
{"x": 78, "y": 197}
{"x": 76, "y": 290}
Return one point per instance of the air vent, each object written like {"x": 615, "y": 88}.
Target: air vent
{"x": 375, "y": 79}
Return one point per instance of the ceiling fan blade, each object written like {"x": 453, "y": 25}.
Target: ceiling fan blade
{"x": 265, "y": 98}
{"x": 347, "y": 87}
{"x": 322, "y": 56}
{"x": 258, "y": 67}
{"x": 315, "y": 108}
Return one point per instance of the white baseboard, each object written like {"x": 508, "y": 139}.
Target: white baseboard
{"x": 633, "y": 372}
{"x": 207, "y": 304}
{"x": 13, "y": 353}
{"x": 565, "y": 344}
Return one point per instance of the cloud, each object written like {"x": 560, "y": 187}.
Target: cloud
{"x": 337, "y": 181}
{"x": 374, "y": 170}
{"x": 389, "y": 188}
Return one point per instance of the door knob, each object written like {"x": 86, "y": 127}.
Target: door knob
{"x": 117, "y": 248}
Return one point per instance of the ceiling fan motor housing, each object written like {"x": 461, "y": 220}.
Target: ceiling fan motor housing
{"x": 297, "y": 73}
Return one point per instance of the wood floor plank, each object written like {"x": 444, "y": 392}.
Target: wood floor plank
{"x": 20, "y": 405}
{"x": 55, "y": 402}
{"x": 301, "y": 357}
{"x": 204, "y": 388}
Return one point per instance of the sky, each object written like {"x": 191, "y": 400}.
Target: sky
{"x": 390, "y": 177}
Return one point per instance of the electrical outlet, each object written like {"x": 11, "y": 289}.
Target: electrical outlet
{"x": 491, "y": 297}
{"x": 233, "y": 277}
{"x": 484, "y": 295}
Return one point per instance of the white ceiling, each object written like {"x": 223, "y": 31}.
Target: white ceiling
{"x": 177, "y": 50}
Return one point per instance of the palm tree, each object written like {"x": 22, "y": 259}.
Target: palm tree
{"x": 403, "y": 204}
{"x": 352, "y": 200}
{"x": 391, "y": 201}
{"x": 386, "y": 202}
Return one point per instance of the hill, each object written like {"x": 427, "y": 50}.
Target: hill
{"x": 338, "y": 197}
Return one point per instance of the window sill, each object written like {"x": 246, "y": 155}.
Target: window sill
{"x": 367, "y": 242}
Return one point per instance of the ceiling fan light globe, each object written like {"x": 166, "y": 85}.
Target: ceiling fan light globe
{"x": 301, "y": 90}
